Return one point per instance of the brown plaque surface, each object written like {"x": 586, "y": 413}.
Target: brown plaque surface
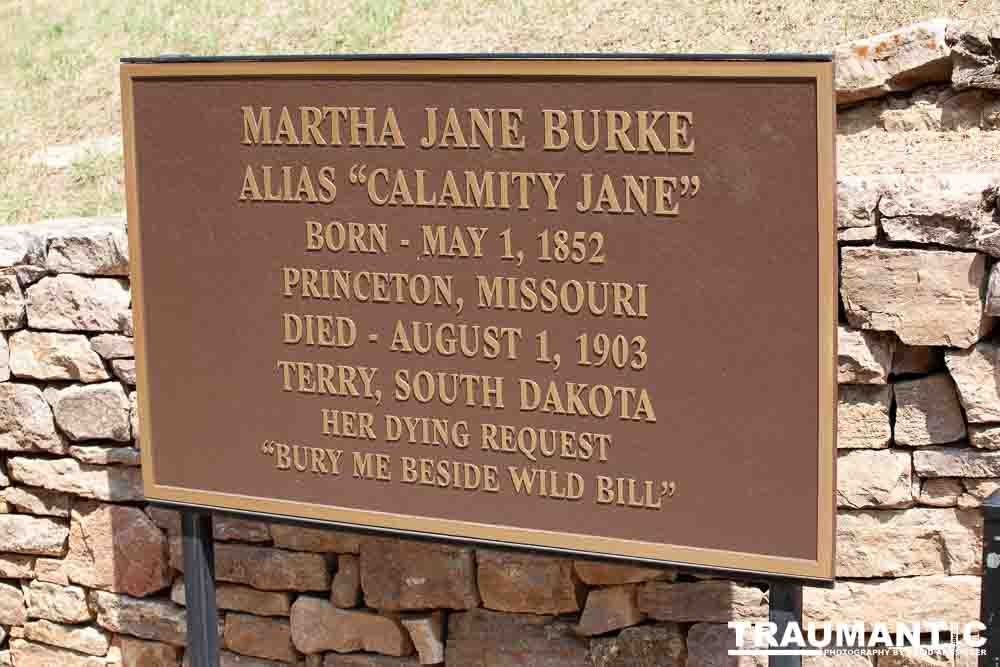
{"x": 617, "y": 342}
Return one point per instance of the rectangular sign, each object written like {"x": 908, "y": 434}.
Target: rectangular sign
{"x": 580, "y": 305}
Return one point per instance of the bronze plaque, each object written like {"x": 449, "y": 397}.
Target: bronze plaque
{"x": 579, "y": 305}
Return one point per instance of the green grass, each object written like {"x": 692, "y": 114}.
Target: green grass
{"x": 59, "y": 58}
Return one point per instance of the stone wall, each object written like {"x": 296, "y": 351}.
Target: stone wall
{"x": 90, "y": 577}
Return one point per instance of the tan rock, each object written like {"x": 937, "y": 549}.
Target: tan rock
{"x": 427, "y": 634}
{"x": 113, "y": 346}
{"x": 837, "y": 661}
{"x": 908, "y": 543}
{"x": 318, "y": 626}
{"x": 30, "y": 654}
{"x": 133, "y": 416}
{"x": 85, "y": 639}
{"x": 37, "y": 501}
{"x": 916, "y": 360}
{"x": 927, "y": 297}
{"x": 269, "y": 638}
{"x": 603, "y": 573}
{"x": 863, "y": 357}
{"x": 874, "y": 478}
{"x": 104, "y": 455}
{"x": 711, "y": 600}
{"x": 26, "y": 422}
{"x": 366, "y": 660}
{"x": 975, "y": 371}
{"x": 92, "y": 412}
{"x": 12, "y": 606}
{"x": 43, "y": 355}
{"x": 147, "y": 654}
{"x": 12, "y": 304}
{"x": 51, "y": 570}
{"x": 942, "y": 209}
{"x": 62, "y": 604}
{"x": 110, "y": 483}
{"x": 169, "y": 521}
{"x": 398, "y": 575}
{"x": 74, "y": 303}
{"x": 146, "y": 618}
{"x": 23, "y": 534}
{"x": 857, "y": 235}
{"x": 116, "y": 548}
{"x": 609, "y": 609}
{"x": 993, "y": 292}
{"x": 955, "y": 598}
{"x": 863, "y": 417}
{"x": 708, "y": 645}
{"x": 956, "y": 462}
{"x": 481, "y": 638}
{"x": 320, "y": 540}
{"x": 346, "y": 590}
{"x": 517, "y": 582}
{"x": 270, "y": 569}
{"x": 228, "y": 659}
{"x": 928, "y": 412}
{"x": 646, "y": 646}
{"x": 233, "y": 597}
{"x": 17, "y": 566}
{"x": 900, "y": 60}
{"x": 940, "y": 492}
{"x": 242, "y": 530}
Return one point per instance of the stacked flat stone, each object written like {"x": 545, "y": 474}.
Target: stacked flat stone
{"x": 91, "y": 577}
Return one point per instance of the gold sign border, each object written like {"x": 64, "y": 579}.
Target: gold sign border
{"x": 821, "y": 73}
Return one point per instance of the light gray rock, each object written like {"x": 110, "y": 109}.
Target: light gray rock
{"x": 74, "y": 303}
{"x": 928, "y": 412}
{"x": 109, "y": 483}
{"x": 21, "y": 244}
{"x": 956, "y": 462}
{"x": 908, "y": 543}
{"x": 709, "y": 643}
{"x": 955, "y": 598}
{"x": 12, "y": 304}
{"x": 874, "y": 478}
{"x": 88, "y": 246}
{"x": 927, "y": 297}
{"x": 92, "y": 412}
{"x": 863, "y": 357}
{"x": 148, "y": 618}
{"x": 43, "y": 355}
{"x": 26, "y": 422}
{"x": 24, "y": 534}
{"x": 124, "y": 370}
{"x": 957, "y": 210}
{"x": 62, "y": 604}
{"x": 900, "y": 60}
{"x": 993, "y": 292}
{"x": 102, "y": 455}
{"x": 975, "y": 62}
{"x": 976, "y": 372}
{"x": 984, "y": 436}
{"x": 31, "y": 654}
{"x": 857, "y": 203}
{"x": 37, "y": 501}
{"x": 113, "y": 346}
{"x": 863, "y": 417}
{"x": 4, "y": 359}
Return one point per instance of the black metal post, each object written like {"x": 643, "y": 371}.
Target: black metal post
{"x": 199, "y": 589}
{"x": 785, "y": 603}
{"x": 989, "y": 610}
